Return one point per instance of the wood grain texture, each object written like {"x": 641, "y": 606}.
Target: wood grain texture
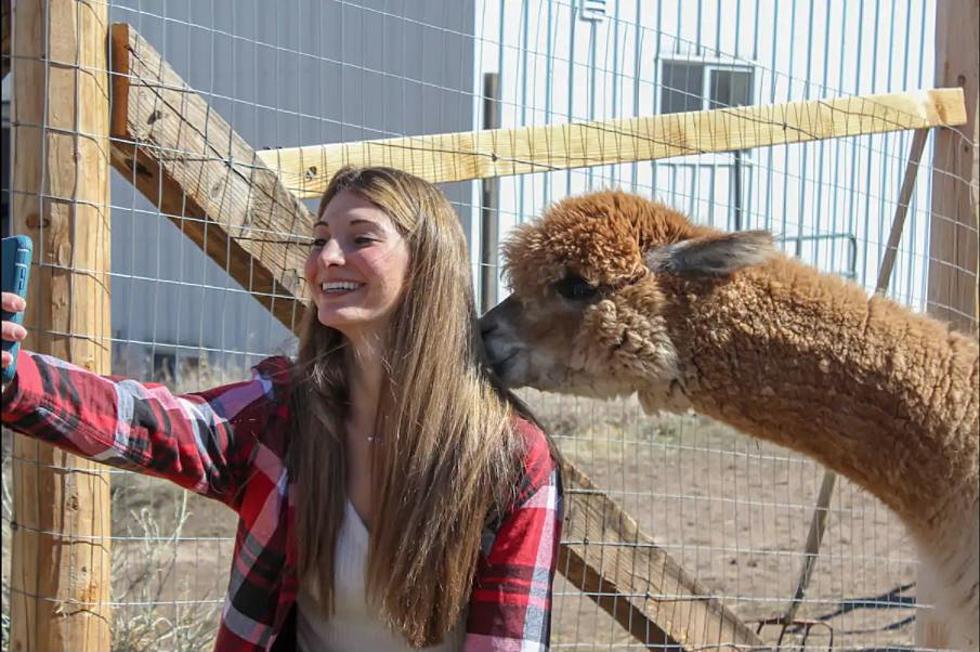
{"x": 501, "y": 152}
{"x": 954, "y": 252}
{"x": 189, "y": 162}
{"x": 60, "y": 566}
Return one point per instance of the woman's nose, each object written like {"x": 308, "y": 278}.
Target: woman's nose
{"x": 331, "y": 254}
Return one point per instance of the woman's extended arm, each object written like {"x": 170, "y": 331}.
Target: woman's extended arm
{"x": 201, "y": 441}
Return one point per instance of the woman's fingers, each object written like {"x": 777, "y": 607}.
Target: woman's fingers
{"x": 10, "y": 331}
{"x": 13, "y": 303}
{"x": 13, "y": 332}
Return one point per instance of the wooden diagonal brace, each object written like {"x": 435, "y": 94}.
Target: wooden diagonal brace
{"x": 188, "y": 161}
{"x": 606, "y": 555}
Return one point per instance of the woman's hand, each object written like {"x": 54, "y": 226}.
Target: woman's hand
{"x": 12, "y": 332}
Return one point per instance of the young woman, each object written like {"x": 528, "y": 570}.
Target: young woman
{"x": 391, "y": 494}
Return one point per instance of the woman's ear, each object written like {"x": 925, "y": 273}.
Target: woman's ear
{"x": 716, "y": 255}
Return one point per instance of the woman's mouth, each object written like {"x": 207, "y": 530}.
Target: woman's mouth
{"x": 339, "y": 288}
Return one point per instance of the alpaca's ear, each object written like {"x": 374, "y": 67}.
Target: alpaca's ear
{"x": 713, "y": 255}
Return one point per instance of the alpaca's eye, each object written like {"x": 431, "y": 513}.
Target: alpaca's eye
{"x": 575, "y": 288}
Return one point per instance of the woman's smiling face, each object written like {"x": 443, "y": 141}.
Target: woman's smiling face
{"x": 357, "y": 267}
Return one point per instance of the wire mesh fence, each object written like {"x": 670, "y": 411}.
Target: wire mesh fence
{"x": 733, "y": 511}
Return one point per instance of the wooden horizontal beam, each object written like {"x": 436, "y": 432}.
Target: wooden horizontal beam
{"x": 501, "y": 152}
{"x": 607, "y": 556}
{"x": 188, "y": 161}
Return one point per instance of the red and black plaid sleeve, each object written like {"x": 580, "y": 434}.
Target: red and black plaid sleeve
{"x": 193, "y": 440}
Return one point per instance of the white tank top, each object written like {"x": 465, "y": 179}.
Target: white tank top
{"x": 355, "y": 624}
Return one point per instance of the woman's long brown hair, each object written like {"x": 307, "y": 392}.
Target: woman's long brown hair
{"x": 448, "y": 456}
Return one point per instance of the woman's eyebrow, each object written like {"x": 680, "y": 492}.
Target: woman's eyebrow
{"x": 324, "y": 224}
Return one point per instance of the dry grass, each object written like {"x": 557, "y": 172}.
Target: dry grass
{"x": 168, "y": 571}
{"x": 166, "y": 599}
{"x": 153, "y": 614}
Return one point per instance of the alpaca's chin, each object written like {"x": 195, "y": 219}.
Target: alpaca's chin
{"x": 516, "y": 367}
{"x": 575, "y": 384}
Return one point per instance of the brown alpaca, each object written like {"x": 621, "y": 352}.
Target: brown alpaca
{"x": 615, "y": 294}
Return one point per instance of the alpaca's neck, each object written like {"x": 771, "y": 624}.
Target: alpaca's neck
{"x": 886, "y": 398}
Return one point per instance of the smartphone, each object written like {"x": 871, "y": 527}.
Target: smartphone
{"x": 16, "y": 258}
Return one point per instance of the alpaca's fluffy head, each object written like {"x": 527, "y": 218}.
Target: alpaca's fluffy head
{"x": 590, "y": 293}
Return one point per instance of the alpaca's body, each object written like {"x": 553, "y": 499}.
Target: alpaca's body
{"x": 615, "y": 294}
{"x": 800, "y": 358}
{"x": 880, "y": 395}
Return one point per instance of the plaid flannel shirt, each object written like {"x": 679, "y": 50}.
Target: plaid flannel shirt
{"x": 229, "y": 443}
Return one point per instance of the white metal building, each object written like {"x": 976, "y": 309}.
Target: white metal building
{"x": 829, "y": 202}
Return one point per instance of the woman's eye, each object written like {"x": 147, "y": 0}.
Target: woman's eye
{"x": 575, "y": 288}
{"x": 319, "y": 242}
{"x": 363, "y": 240}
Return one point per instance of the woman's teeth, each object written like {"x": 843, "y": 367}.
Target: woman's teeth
{"x": 339, "y": 286}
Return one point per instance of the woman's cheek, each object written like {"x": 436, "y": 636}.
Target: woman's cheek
{"x": 309, "y": 269}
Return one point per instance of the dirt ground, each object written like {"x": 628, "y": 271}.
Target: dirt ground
{"x": 734, "y": 512}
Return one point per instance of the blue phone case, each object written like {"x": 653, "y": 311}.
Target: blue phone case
{"x": 16, "y": 259}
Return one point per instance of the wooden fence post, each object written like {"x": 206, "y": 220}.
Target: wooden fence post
{"x": 61, "y": 567}
{"x": 953, "y": 248}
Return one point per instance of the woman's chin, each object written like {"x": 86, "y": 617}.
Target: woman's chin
{"x": 348, "y": 322}
{"x": 336, "y": 319}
